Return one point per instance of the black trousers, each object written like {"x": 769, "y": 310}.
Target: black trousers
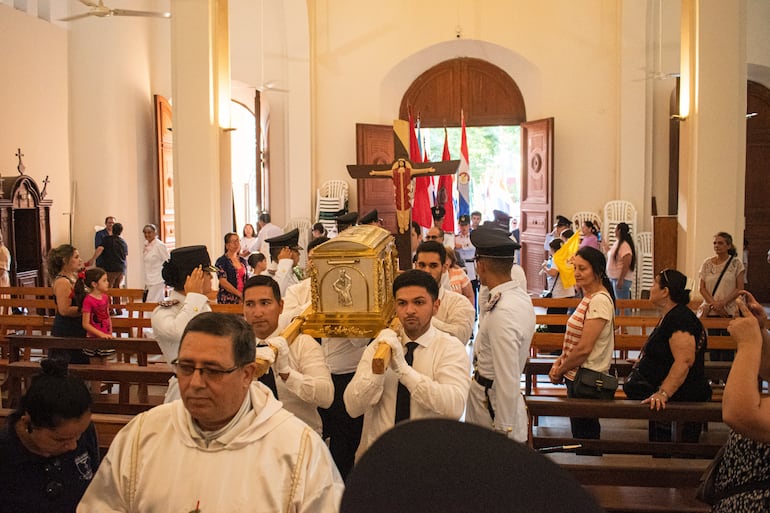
{"x": 343, "y": 431}
{"x": 582, "y": 427}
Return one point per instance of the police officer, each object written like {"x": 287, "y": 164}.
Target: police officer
{"x": 371, "y": 217}
{"x": 506, "y": 325}
{"x": 188, "y": 273}
{"x": 284, "y": 253}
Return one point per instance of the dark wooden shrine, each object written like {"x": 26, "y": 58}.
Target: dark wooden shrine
{"x": 25, "y": 220}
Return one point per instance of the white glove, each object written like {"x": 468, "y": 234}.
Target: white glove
{"x": 282, "y": 360}
{"x": 266, "y": 353}
{"x": 397, "y": 359}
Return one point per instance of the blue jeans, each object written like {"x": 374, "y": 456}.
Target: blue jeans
{"x": 622, "y": 291}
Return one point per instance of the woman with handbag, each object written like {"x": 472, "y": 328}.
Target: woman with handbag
{"x": 670, "y": 366}
{"x": 742, "y": 477}
{"x": 589, "y": 340}
{"x": 721, "y": 280}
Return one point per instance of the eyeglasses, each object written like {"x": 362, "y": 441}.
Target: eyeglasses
{"x": 55, "y": 487}
{"x": 210, "y": 373}
{"x": 433, "y": 237}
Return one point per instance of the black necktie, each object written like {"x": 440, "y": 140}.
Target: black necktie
{"x": 268, "y": 378}
{"x": 402, "y": 396}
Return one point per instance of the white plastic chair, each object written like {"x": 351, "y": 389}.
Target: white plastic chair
{"x": 579, "y": 217}
{"x": 332, "y": 196}
{"x": 304, "y": 226}
{"x": 617, "y": 211}
{"x": 645, "y": 274}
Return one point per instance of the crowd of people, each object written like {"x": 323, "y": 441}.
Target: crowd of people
{"x": 300, "y": 413}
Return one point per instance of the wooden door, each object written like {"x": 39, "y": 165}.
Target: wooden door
{"x": 536, "y": 197}
{"x": 757, "y": 208}
{"x": 164, "y": 141}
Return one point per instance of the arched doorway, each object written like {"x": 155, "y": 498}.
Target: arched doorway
{"x": 488, "y": 96}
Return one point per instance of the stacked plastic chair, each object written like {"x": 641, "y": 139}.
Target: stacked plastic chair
{"x": 331, "y": 201}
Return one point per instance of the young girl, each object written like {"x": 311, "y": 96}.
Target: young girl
{"x": 96, "y": 309}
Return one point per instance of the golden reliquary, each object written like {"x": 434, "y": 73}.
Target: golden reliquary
{"x": 352, "y": 284}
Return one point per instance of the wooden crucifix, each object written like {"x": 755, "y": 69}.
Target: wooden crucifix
{"x": 401, "y": 172}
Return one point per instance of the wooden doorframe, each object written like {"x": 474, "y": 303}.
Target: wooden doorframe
{"x": 164, "y": 141}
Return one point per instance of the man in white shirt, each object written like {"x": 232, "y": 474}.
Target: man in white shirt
{"x": 428, "y": 374}
{"x": 506, "y": 326}
{"x": 342, "y": 356}
{"x": 299, "y": 377}
{"x": 266, "y": 230}
{"x": 455, "y": 314}
{"x": 228, "y": 446}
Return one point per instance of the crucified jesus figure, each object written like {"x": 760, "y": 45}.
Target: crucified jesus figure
{"x": 401, "y": 173}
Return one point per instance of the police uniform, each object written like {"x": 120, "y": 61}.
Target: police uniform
{"x": 465, "y": 250}
{"x": 345, "y": 221}
{"x": 371, "y": 217}
{"x": 285, "y": 273}
{"x": 501, "y": 347}
{"x": 171, "y": 316}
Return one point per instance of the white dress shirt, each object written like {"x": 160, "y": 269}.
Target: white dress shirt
{"x": 438, "y": 388}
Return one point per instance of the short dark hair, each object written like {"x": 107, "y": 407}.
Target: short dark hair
{"x": 264, "y": 217}
{"x": 226, "y": 325}
{"x": 416, "y": 278}
{"x": 431, "y": 246}
{"x": 475, "y": 213}
{"x": 416, "y": 229}
{"x": 556, "y": 244}
{"x": 256, "y": 258}
{"x": 55, "y": 396}
{"x": 441, "y": 231}
{"x": 117, "y": 229}
{"x": 263, "y": 281}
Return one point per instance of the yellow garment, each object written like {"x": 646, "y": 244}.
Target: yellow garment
{"x": 561, "y": 260}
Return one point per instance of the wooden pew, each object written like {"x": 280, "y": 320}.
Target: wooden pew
{"x": 107, "y": 426}
{"x": 643, "y": 321}
{"x": 675, "y": 412}
{"x": 122, "y": 373}
{"x": 627, "y": 478}
{"x": 540, "y": 366}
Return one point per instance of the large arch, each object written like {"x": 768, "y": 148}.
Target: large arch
{"x": 394, "y": 86}
{"x": 441, "y": 92}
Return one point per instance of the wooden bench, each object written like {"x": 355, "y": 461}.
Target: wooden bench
{"x": 122, "y": 373}
{"x": 637, "y": 484}
{"x": 676, "y": 412}
{"x": 541, "y": 366}
{"x": 107, "y": 426}
{"x": 634, "y": 314}
{"x": 17, "y": 344}
{"x": 628, "y": 477}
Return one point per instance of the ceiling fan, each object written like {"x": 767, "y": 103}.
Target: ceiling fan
{"x": 101, "y": 11}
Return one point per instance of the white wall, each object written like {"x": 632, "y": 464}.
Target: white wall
{"x": 116, "y": 65}
{"x": 34, "y": 108}
{"x": 565, "y": 66}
